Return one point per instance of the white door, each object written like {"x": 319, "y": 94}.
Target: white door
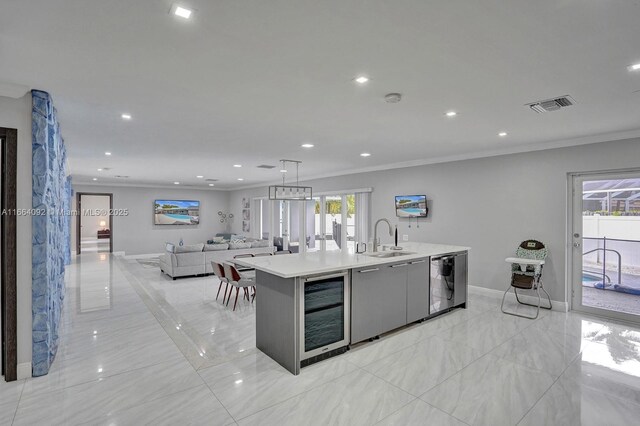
{"x": 605, "y": 244}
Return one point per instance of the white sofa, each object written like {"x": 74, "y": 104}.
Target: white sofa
{"x": 195, "y": 259}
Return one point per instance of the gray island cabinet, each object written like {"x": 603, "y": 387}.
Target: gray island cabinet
{"x": 312, "y": 306}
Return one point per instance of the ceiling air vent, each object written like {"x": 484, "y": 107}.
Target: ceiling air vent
{"x": 266, "y": 166}
{"x": 550, "y": 105}
{"x": 211, "y": 180}
{"x": 121, "y": 176}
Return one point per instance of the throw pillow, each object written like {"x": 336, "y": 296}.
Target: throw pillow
{"x": 189, "y": 248}
{"x": 239, "y": 245}
{"x": 260, "y": 243}
{"x": 171, "y": 248}
{"x": 216, "y": 247}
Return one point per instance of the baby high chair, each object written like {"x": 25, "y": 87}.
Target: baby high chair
{"x": 526, "y": 274}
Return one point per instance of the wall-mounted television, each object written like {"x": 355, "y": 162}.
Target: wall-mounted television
{"x": 176, "y": 212}
{"x": 411, "y": 206}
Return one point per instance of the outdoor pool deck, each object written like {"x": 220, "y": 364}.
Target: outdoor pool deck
{"x": 608, "y": 298}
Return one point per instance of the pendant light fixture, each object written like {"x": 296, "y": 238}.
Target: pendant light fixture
{"x": 290, "y": 192}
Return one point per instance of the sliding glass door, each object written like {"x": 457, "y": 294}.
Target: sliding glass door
{"x": 606, "y": 245}
{"x": 325, "y": 223}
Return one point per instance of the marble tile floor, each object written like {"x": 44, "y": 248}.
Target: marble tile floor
{"x": 139, "y": 348}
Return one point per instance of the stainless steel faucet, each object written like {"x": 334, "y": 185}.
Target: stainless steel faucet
{"x": 375, "y": 232}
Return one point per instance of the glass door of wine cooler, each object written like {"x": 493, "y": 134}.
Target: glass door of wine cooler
{"x": 325, "y": 314}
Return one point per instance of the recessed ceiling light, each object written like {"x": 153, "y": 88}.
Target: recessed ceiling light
{"x": 365, "y": 154}
{"x": 108, "y": 154}
{"x": 211, "y": 184}
{"x": 283, "y": 170}
{"x": 95, "y": 178}
{"x": 181, "y": 11}
{"x": 99, "y": 170}
{"x": 237, "y": 165}
{"x": 126, "y": 116}
{"x": 200, "y": 177}
{"x": 451, "y": 113}
{"x": 361, "y": 79}
{"x": 502, "y": 134}
{"x": 240, "y": 179}
{"x": 176, "y": 183}
{"x": 307, "y": 145}
{"x": 634, "y": 67}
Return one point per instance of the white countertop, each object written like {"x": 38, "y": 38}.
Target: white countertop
{"x": 318, "y": 262}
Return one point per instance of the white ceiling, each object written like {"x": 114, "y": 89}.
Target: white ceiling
{"x": 249, "y": 81}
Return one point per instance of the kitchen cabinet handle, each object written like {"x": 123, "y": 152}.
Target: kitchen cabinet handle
{"x": 418, "y": 261}
{"x": 399, "y": 265}
{"x": 364, "y": 271}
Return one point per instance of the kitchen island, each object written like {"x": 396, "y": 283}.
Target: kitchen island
{"x": 311, "y": 306}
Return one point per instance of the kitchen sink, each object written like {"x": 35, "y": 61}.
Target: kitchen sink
{"x": 385, "y": 254}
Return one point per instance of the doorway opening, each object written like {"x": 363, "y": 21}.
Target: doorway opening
{"x": 94, "y": 227}
{"x": 605, "y": 236}
{"x": 8, "y": 292}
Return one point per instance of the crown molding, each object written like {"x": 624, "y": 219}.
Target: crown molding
{"x": 519, "y": 149}
{"x": 146, "y": 185}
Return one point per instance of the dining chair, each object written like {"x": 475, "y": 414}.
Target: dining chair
{"x": 218, "y": 271}
{"x": 238, "y": 281}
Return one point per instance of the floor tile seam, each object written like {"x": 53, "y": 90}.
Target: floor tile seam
{"x": 69, "y": 358}
{"x": 364, "y": 367}
{"x": 104, "y": 333}
{"x": 395, "y": 351}
{"x": 464, "y": 342}
{"x": 520, "y": 332}
{"x": 216, "y": 397}
{"x": 488, "y": 354}
{"x": 432, "y": 387}
{"x": 299, "y": 394}
{"x": 473, "y": 362}
{"x": 555, "y": 380}
{"x": 225, "y": 359}
{"x": 92, "y": 420}
{"x": 107, "y": 317}
{"x": 138, "y": 288}
{"x": 392, "y": 384}
{"x": 395, "y": 411}
{"x": 522, "y": 364}
{"x": 593, "y": 388}
{"x": 58, "y": 389}
{"x": 15, "y": 412}
{"x": 457, "y": 372}
{"x": 433, "y": 406}
{"x": 588, "y": 385}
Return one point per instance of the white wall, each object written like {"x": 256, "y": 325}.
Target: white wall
{"x": 91, "y": 222}
{"x": 621, "y": 227}
{"x": 489, "y": 204}
{"x": 16, "y": 114}
{"x": 137, "y": 234}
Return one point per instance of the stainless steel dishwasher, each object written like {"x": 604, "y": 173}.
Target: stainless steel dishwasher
{"x": 448, "y": 284}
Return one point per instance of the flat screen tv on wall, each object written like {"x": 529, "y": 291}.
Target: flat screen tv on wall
{"x": 411, "y": 206}
{"x": 176, "y": 212}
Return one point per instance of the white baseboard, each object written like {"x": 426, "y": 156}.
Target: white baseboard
{"x": 73, "y": 253}
{"x": 142, "y": 256}
{"x": 497, "y": 294}
{"x": 24, "y": 370}
{"x": 118, "y": 253}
